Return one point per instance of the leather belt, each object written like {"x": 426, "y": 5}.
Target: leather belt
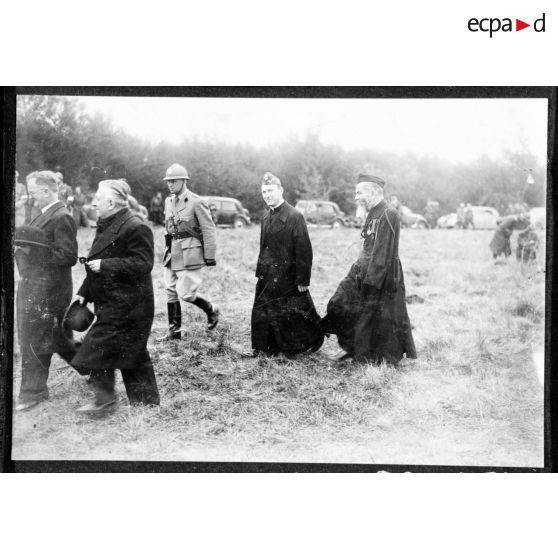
{"x": 180, "y": 235}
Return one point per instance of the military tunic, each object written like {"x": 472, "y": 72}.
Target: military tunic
{"x": 284, "y": 320}
{"x": 368, "y": 312}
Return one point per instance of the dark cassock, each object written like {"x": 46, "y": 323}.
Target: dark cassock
{"x": 368, "y": 312}
{"x": 284, "y": 320}
{"x": 45, "y": 252}
{"x": 122, "y": 294}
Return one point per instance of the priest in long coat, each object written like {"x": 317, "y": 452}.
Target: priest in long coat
{"x": 368, "y": 312}
{"x": 284, "y": 319}
{"x": 119, "y": 284}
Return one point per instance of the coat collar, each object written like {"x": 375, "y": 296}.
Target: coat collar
{"x": 109, "y": 234}
{"x": 42, "y": 218}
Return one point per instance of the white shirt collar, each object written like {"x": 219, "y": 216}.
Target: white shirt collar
{"x": 47, "y": 207}
{"x": 277, "y": 206}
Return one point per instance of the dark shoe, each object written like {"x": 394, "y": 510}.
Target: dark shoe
{"x": 29, "y": 402}
{"x": 26, "y": 405}
{"x": 341, "y": 356}
{"x": 317, "y": 345}
{"x": 251, "y": 354}
{"x": 213, "y": 317}
{"x": 96, "y": 407}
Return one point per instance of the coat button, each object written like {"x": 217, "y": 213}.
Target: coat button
{"x": 275, "y": 265}
{"x": 275, "y": 280}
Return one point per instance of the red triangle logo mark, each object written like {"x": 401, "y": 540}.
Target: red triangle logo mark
{"x": 519, "y": 25}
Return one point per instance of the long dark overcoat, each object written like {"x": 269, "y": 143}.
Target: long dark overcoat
{"x": 368, "y": 312}
{"x": 45, "y": 287}
{"x": 122, "y": 294}
{"x": 283, "y": 319}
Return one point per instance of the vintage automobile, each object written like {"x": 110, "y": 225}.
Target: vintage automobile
{"x": 538, "y": 215}
{"x": 411, "y": 219}
{"x": 484, "y": 217}
{"x": 321, "y": 212}
{"x": 228, "y": 212}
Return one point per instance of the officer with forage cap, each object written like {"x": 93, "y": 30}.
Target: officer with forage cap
{"x": 190, "y": 246}
{"x": 284, "y": 319}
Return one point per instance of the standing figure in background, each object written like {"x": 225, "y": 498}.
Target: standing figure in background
{"x": 284, "y": 319}
{"x": 156, "y": 209}
{"x": 46, "y": 251}
{"x": 77, "y": 210}
{"x": 527, "y": 244}
{"x": 368, "y": 312}
{"x": 65, "y": 192}
{"x": 190, "y": 246}
{"x": 468, "y": 218}
{"x": 118, "y": 282}
{"x": 460, "y": 212}
{"x": 500, "y": 243}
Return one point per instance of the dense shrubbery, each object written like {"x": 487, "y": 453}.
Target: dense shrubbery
{"x": 55, "y": 133}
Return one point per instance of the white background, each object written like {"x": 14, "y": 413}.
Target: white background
{"x": 275, "y": 43}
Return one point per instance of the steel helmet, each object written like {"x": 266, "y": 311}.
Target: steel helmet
{"x": 175, "y": 172}
{"x": 78, "y": 317}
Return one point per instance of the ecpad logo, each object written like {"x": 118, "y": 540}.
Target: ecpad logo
{"x": 492, "y": 25}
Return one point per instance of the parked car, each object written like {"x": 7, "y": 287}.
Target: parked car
{"x": 228, "y": 211}
{"x": 412, "y": 220}
{"x": 448, "y": 221}
{"x": 318, "y": 212}
{"x": 485, "y": 217}
{"x": 538, "y": 215}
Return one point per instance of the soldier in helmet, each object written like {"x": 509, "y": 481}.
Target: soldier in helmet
{"x": 190, "y": 239}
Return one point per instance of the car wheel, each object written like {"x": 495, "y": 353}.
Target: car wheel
{"x": 239, "y": 223}
{"x": 336, "y": 224}
{"x": 422, "y": 225}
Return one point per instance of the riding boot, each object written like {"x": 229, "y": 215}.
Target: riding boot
{"x": 210, "y": 309}
{"x": 175, "y": 321}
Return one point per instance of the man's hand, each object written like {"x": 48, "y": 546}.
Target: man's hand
{"x": 302, "y": 288}
{"x": 210, "y": 263}
{"x": 94, "y": 265}
{"x": 81, "y": 300}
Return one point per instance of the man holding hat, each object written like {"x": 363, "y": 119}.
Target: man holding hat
{"x": 284, "y": 319}
{"x": 190, "y": 246}
{"x": 368, "y": 312}
{"x": 46, "y": 250}
{"x": 118, "y": 283}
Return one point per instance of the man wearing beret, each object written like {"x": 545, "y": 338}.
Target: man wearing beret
{"x": 46, "y": 250}
{"x": 284, "y": 319}
{"x": 190, "y": 246}
{"x": 118, "y": 283}
{"x": 368, "y": 312}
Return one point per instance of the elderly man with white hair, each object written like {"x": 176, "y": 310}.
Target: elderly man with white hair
{"x": 368, "y": 312}
{"x": 118, "y": 283}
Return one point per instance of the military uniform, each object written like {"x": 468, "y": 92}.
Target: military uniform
{"x": 191, "y": 245}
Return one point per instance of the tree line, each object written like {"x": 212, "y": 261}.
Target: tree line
{"x": 54, "y": 132}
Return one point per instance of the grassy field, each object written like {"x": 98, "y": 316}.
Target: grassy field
{"x": 474, "y": 396}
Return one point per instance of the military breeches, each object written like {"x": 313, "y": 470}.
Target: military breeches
{"x": 183, "y": 284}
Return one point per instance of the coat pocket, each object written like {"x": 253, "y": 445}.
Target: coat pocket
{"x": 192, "y": 253}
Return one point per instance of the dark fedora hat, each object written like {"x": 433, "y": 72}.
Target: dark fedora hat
{"x": 78, "y": 317}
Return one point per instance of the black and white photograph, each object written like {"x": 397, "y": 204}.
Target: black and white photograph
{"x": 311, "y": 276}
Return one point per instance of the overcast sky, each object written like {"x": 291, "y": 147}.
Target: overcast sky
{"x": 455, "y": 129}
